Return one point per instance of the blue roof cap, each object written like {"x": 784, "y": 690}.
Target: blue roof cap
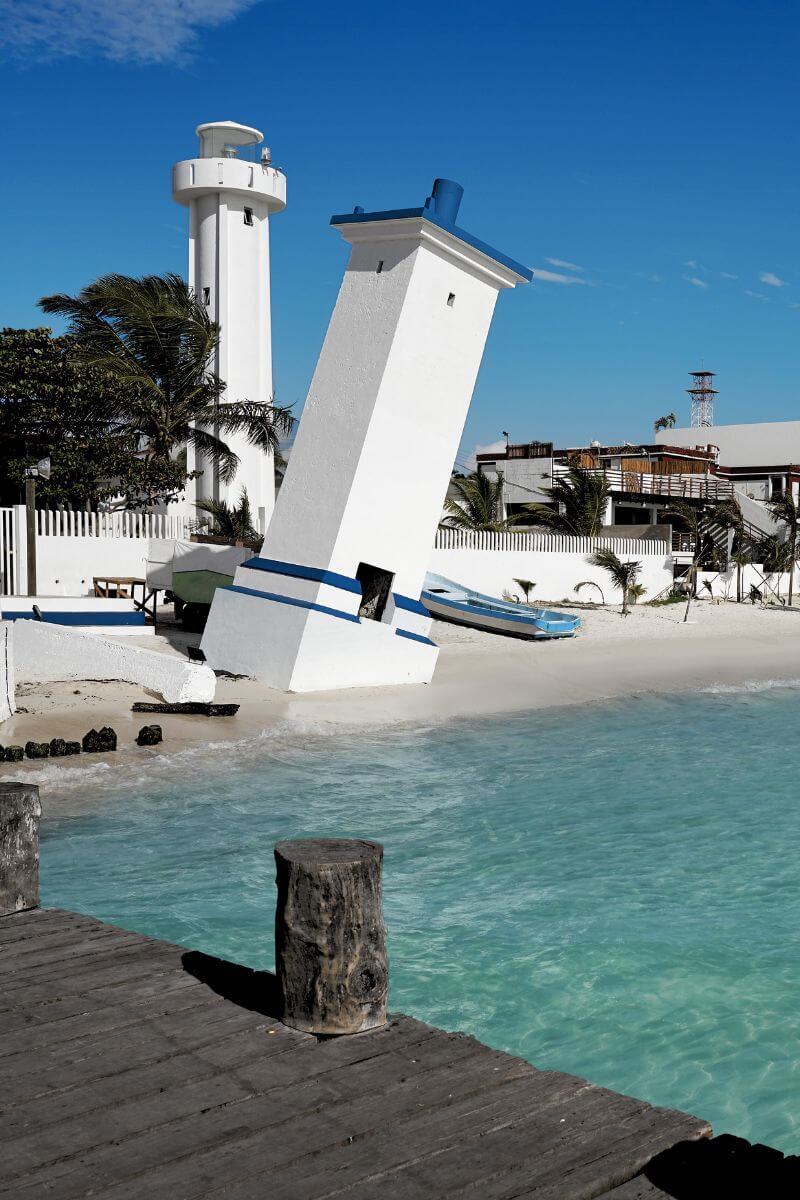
{"x": 440, "y": 208}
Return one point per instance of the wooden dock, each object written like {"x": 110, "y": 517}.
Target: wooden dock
{"x": 131, "y": 1069}
{"x": 136, "y": 1070}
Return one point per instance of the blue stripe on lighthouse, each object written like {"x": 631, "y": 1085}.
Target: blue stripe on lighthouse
{"x": 297, "y": 571}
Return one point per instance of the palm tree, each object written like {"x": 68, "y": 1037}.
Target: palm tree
{"x": 776, "y": 557}
{"x": 623, "y": 574}
{"x": 666, "y": 422}
{"x": 589, "y": 583}
{"x": 741, "y": 557}
{"x": 236, "y": 523}
{"x": 636, "y": 591}
{"x": 153, "y": 336}
{"x": 581, "y": 500}
{"x": 479, "y": 505}
{"x": 697, "y": 522}
{"x": 784, "y": 509}
{"x": 527, "y": 586}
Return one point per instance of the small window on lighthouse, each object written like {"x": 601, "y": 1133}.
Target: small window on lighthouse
{"x": 380, "y": 266}
{"x": 206, "y": 296}
{"x": 248, "y": 216}
{"x": 451, "y": 299}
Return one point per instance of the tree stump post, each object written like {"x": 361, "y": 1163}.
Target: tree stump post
{"x": 20, "y": 811}
{"x": 330, "y": 939}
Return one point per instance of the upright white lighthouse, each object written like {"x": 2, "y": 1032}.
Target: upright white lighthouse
{"x": 333, "y": 599}
{"x": 231, "y": 189}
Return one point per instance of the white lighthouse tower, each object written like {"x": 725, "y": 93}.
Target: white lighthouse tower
{"x": 231, "y": 189}
{"x": 333, "y": 599}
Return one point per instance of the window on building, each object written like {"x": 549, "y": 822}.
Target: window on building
{"x": 380, "y": 266}
{"x": 248, "y": 216}
{"x": 776, "y": 487}
{"x": 376, "y": 584}
{"x": 451, "y": 299}
{"x": 206, "y": 296}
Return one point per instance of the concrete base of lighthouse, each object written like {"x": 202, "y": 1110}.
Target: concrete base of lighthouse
{"x": 308, "y": 636}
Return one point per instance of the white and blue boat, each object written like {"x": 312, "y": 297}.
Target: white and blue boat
{"x": 449, "y": 601}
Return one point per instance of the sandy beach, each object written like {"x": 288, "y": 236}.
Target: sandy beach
{"x": 651, "y": 650}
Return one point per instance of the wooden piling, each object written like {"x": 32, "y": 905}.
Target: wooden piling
{"x": 20, "y": 811}
{"x": 330, "y": 939}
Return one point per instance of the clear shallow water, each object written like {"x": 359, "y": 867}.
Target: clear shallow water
{"x": 612, "y": 890}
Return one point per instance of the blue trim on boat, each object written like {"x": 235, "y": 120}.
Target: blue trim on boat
{"x": 294, "y": 602}
{"x": 500, "y": 614}
{"x": 77, "y": 618}
{"x": 414, "y": 637}
{"x": 405, "y": 602}
{"x": 317, "y": 574}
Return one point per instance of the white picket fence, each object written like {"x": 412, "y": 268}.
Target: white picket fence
{"x": 79, "y": 523}
{"x": 8, "y": 560}
{"x": 553, "y": 543}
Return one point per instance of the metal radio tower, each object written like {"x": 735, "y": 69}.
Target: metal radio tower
{"x": 702, "y": 399}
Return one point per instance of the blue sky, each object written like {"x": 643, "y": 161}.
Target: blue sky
{"x": 642, "y": 155}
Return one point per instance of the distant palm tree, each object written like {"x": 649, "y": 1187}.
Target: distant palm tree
{"x": 784, "y": 509}
{"x": 776, "y": 557}
{"x": 636, "y": 591}
{"x": 580, "y": 498}
{"x": 697, "y": 521}
{"x": 589, "y": 583}
{"x": 666, "y": 422}
{"x": 479, "y": 505}
{"x": 233, "y": 523}
{"x": 527, "y": 586}
{"x": 154, "y": 337}
{"x": 623, "y": 574}
{"x": 741, "y": 557}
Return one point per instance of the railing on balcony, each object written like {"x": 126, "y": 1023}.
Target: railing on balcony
{"x": 643, "y": 483}
{"x": 682, "y": 542}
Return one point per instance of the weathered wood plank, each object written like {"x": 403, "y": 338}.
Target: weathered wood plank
{"x": 123, "y": 1075}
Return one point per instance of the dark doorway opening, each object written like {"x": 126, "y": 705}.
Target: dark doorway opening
{"x": 376, "y": 584}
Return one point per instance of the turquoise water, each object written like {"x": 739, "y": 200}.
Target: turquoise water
{"x": 611, "y": 890}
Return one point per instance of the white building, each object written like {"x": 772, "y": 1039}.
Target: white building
{"x": 333, "y": 598}
{"x": 231, "y": 190}
{"x": 761, "y": 458}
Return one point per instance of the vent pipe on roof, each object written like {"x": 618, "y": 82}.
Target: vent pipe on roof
{"x": 445, "y": 200}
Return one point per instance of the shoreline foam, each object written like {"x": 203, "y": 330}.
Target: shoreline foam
{"x": 730, "y": 647}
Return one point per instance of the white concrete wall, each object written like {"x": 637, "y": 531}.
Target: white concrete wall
{"x": 46, "y": 653}
{"x": 7, "y": 670}
{"x": 760, "y": 444}
{"x": 724, "y": 584}
{"x": 555, "y": 571}
{"x": 66, "y": 566}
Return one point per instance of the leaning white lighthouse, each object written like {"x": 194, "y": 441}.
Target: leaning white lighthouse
{"x": 333, "y": 599}
{"x": 231, "y": 189}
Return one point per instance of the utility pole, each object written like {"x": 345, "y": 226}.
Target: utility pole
{"x": 30, "y": 526}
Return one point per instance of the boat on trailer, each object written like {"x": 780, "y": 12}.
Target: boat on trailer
{"x": 449, "y": 601}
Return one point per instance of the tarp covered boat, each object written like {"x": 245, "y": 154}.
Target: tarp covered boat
{"x": 449, "y": 601}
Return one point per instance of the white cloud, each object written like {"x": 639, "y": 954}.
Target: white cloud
{"x": 691, "y": 263}
{"x": 555, "y": 276}
{"x": 755, "y": 295}
{"x": 137, "y": 31}
{"x": 727, "y": 275}
{"x": 771, "y": 279}
{"x": 562, "y": 262}
{"x": 695, "y": 282}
